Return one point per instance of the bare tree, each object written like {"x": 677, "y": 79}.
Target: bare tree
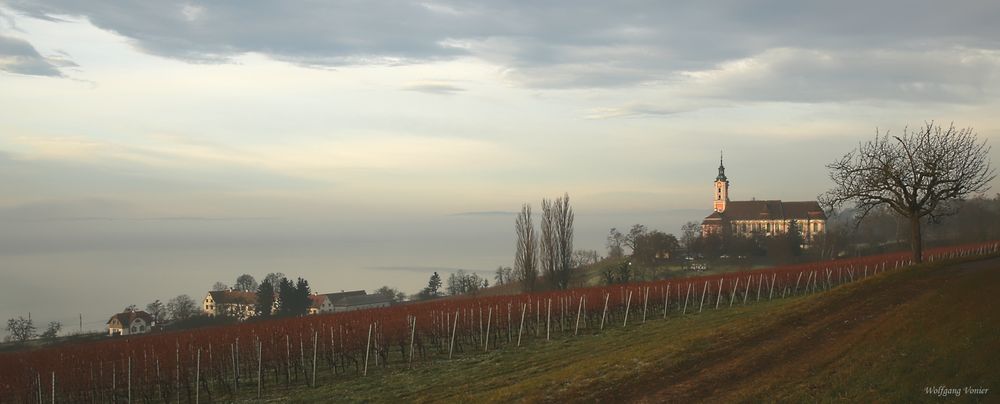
{"x": 274, "y": 278}
{"x": 915, "y": 174}
{"x": 392, "y": 293}
{"x": 157, "y": 309}
{"x": 465, "y": 283}
{"x": 548, "y": 252}
{"x": 526, "y": 254}
{"x": 52, "y": 332}
{"x": 182, "y": 307}
{"x": 690, "y": 231}
{"x": 20, "y": 329}
{"x": 615, "y": 242}
{"x": 582, "y": 258}
{"x": 246, "y": 283}
{"x": 563, "y": 240}
{"x": 633, "y": 235}
{"x": 219, "y": 286}
{"x": 503, "y": 275}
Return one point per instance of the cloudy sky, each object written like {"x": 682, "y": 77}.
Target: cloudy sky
{"x": 148, "y": 149}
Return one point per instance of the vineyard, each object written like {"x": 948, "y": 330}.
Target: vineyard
{"x": 217, "y": 364}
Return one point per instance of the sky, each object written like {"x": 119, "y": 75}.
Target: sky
{"x": 149, "y": 149}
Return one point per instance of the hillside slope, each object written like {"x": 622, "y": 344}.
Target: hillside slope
{"x": 883, "y": 339}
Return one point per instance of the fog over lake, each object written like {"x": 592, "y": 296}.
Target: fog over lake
{"x": 96, "y": 266}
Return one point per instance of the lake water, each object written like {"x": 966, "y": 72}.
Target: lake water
{"x": 58, "y": 269}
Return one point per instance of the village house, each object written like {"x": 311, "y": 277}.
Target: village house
{"x": 130, "y": 322}
{"x": 327, "y": 299}
{"x": 239, "y": 304}
{"x": 351, "y": 303}
{"x": 317, "y": 303}
{"x": 347, "y": 301}
{"x": 764, "y": 217}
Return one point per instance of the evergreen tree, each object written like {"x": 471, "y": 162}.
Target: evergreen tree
{"x": 794, "y": 237}
{"x": 286, "y": 297}
{"x": 265, "y": 299}
{"x": 434, "y": 284}
{"x": 302, "y": 293}
{"x": 433, "y": 288}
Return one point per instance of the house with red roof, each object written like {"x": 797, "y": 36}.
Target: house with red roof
{"x": 130, "y": 322}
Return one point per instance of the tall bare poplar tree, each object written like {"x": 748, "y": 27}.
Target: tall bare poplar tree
{"x": 547, "y": 243}
{"x": 526, "y": 256}
{"x": 564, "y": 240}
{"x": 915, "y": 174}
{"x": 557, "y": 241}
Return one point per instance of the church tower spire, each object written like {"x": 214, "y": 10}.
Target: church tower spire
{"x": 721, "y": 188}
{"x": 722, "y": 169}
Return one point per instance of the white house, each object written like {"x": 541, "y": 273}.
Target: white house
{"x": 130, "y": 322}
{"x": 326, "y": 301}
{"x": 234, "y": 303}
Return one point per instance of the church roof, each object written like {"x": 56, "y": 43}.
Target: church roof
{"x": 769, "y": 210}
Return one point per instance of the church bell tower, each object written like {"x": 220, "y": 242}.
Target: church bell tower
{"x": 721, "y": 188}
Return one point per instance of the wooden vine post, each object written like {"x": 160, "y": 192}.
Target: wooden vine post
{"x": 628, "y": 304}
{"x": 746, "y": 291}
{"x": 645, "y": 303}
{"x": 732, "y": 296}
{"x": 197, "y": 379}
{"x": 686, "y": 298}
{"x": 315, "y": 346}
{"x": 773, "y": 278}
{"x": 489, "y": 321}
{"x": 454, "y": 329}
{"x": 718, "y": 299}
{"x": 604, "y": 314}
{"x": 666, "y": 301}
{"x": 579, "y": 310}
{"x": 703, "y": 292}
{"x": 413, "y": 335}
{"x": 524, "y": 306}
{"x": 260, "y": 362}
{"x": 548, "y": 319}
{"x": 368, "y": 347}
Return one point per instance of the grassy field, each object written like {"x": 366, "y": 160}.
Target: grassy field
{"x": 884, "y": 339}
{"x": 39, "y": 343}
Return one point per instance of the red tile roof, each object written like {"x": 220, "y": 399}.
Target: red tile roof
{"x": 317, "y": 301}
{"x": 233, "y": 297}
{"x": 127, "y": 317}
{"x": 769, "y": 210}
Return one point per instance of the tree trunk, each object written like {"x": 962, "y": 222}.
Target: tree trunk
{"x": 916, "y": 241}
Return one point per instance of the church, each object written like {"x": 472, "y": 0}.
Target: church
{"x": 768, "y": 218}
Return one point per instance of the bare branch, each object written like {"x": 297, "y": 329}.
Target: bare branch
{"x": 915, "y": 173}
